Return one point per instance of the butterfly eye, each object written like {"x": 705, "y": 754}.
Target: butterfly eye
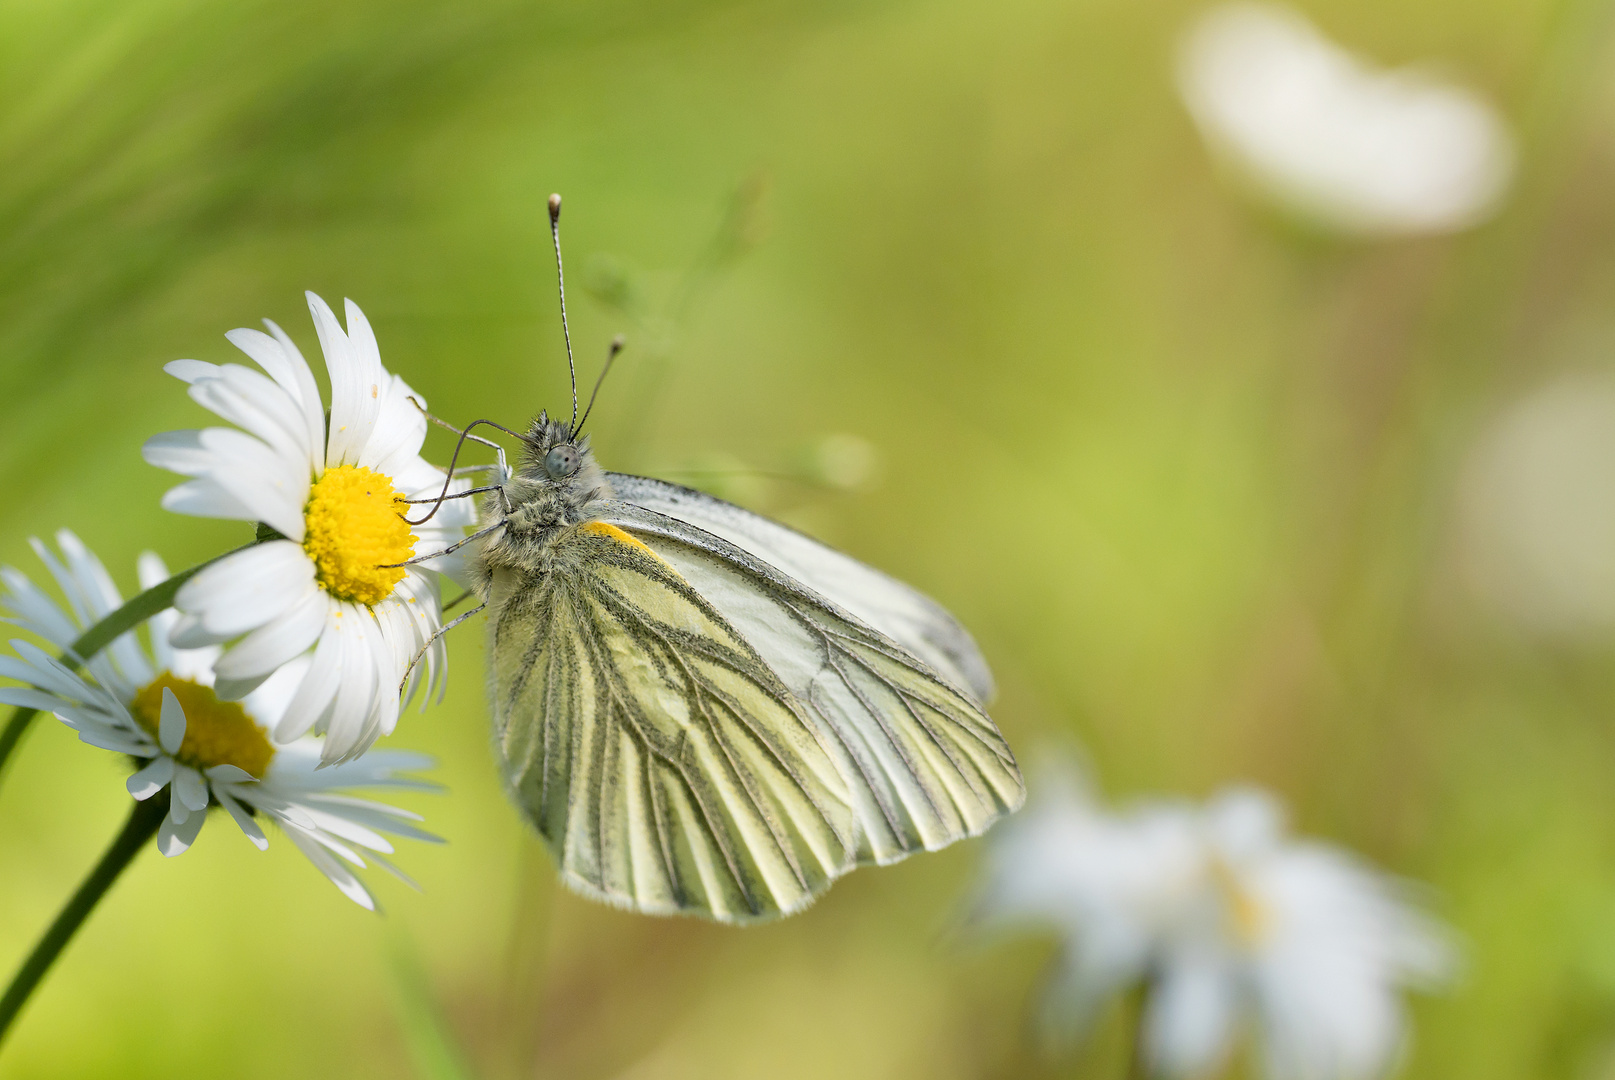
{"x": 561, "y": 462}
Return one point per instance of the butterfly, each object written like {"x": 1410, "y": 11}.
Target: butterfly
{"x": 705, "y": 712}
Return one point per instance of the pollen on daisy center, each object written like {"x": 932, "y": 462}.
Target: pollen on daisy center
{"x": 216, "y": 732}
{"x": 355, "y": 527}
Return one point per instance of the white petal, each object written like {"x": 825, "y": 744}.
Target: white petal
{"x": 195, "y": 664}
{"x": 339, "y": 875}
{"x": 356, "y": 379}
{"x": 100, "y": 593}
{"x": 255, "y": 403}
{"x": 203, "y": 497}
{"x": 318, "y": 688}
{"x": 190, "y": 788}
{"x": 277, "y": 641}
{"x": 188, "y": 635}
{"x": 243, "y": 820}
{"x": 171, "y": 725}
{"x": 370, "y": 673}
{"x": 348, "y": 829}
{"x": 42, "y": 670}
{"x": 248, "y": 589}
{"x": 1190, "y": 1016}
{"x": 236, "y": 689}
{"x": 267, "y": 702}
{"x": 176, "y": 837}
{"x": 25, "y": 697}
{"x": 117, "y": 742}
{"x": 64, "y": 581}
{"x": 230, "y": 774}
{"x": 273, "y": 486}
{"x": 37, "y": 609}
{"x": 399, "y": 432}
{"x": 152, "y": 779}
{"x": 177, "y": 451}
{"x": 387, "y": 865}
{"x": 377, "y": 768}
{"x": 301, "y": 383}
{"x": 189, "y": 370}
{"x": 153, "y": 571}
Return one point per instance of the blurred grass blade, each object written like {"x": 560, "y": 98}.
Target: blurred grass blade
{"x": 428, "y": 1039}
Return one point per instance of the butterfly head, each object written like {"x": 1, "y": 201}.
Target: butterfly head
{"x": 551, "y": 456}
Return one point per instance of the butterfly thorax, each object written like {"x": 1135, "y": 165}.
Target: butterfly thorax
{"x": 557, "y": 485}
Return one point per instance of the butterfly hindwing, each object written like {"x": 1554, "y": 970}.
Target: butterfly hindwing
{"x": 663, "y": 761}
{"x": 924, "y": 764}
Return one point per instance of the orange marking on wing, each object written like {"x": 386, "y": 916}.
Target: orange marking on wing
{"x": 601, "y": 528}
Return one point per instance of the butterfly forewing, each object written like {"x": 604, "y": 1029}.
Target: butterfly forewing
{"x": 665, "y": 763}
{"x": 924, "y": 765}
{"x": 899, "y": 611}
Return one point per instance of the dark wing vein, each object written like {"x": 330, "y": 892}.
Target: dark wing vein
{"x": 664, "y": 763}
{"x": 923, "y": 763}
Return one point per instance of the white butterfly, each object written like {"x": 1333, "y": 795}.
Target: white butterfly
{"x": 703, "y": 711}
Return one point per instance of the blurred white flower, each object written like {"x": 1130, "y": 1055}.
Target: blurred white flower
{"x": 328, "y": 581}
{"x": 1225, "y": 921}
{"x": 1538, "y": 508}
{"x": 1363, "y": 150}
{"x": 160, "y": 709}
{"x": 1110, "y": 883}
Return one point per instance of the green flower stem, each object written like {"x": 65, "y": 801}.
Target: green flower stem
{"x": 1137, "y": 1067}
{"x": 141, "y": 827}
{"x": 99, "y": 636}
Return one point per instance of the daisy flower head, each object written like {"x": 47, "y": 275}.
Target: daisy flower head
{"x": 1226, "y": 922}
{"x": 1334, "y": 137}
{"x": 1108, "y": 883}
{"x": 160, "y": 708}
{"x": 329, "y": 494}
{"x": 1300, "y": 938}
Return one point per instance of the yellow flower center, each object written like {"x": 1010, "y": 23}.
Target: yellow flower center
{"x": 353, "y": 528}
{"x": 1248, "y": 918}
{"x": 216, "y": 732}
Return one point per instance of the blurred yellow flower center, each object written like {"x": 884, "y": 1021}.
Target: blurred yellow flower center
{"x": 1248, "y": 917}
{"x": 216, "y": 732}
{"x": 354, "y": 527}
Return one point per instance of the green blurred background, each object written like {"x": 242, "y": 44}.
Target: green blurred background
{"x": 1188, "y": 470}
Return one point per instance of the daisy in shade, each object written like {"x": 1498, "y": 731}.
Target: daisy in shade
{"x": 1228, "y": 923}
{"x": 160, "y": 709}
{"x": 330, "y": 495}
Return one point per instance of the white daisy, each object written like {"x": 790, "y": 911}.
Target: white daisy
{"x": 1103, "y": 880}
{"x": 1228, "y": 923}
{"x": 333, "y": 490}
{"x": 160, "y": 709}
{"x": 1363, "y": 150}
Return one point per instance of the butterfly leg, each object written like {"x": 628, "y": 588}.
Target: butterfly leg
{"x": 459, "y": 494}
{"x": 465, "y": 433}
{"x": 451, "y": 549}
{"x": 445, "y": 628}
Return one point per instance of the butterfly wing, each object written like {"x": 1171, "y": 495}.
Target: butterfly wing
{"x": 664, "y": 762}
{"x": 923, "y": 763}
{"x": 902, "y": 613}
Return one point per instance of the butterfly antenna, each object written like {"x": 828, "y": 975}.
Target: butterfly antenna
{"x": 616, "y": 347}
{"x": 560, "y": 278}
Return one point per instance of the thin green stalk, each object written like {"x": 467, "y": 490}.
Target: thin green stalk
{"x": 1137, "y": 1067}
{"x": 104, "y": 633}
{"x": 141, "y": 827}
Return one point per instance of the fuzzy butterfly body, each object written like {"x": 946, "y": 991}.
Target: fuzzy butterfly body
{"x": 705, "y": 712}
